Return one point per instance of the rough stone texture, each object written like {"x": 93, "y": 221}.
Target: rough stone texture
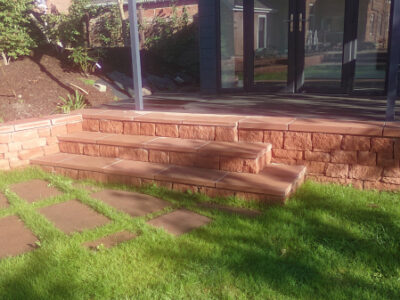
{"x": 108, "y": 151}
{"x": 72, "y": 148}
{"x": 110, "y": 126}
{"x": 343, "y": 157}
{"x": 73, "y": 216}
{"x": 251, "y": 136}
{"x": 337, "y": 170}
{"x": 365, "y": 172}
{"x": 3, "y": 201}
{"x": 366, "y": 158}
{"x": 386, "y": 160}
{"x": 360, "y": 143}
{"x": 111, "y": 240}
{"x": 132, "y": 128}
{"x": 156, "y": 156}
{"x": 317, "y": 156}
{"x": 384, "y": 145}
{"x": 275, "y": 138}
{"x": 197, "y": 132}
{"x": 298, "y": 141}
{"x": 324, "y": 141}
{"x": 74, "y": 127}
{"x": 393, "y": 171}
{"x": 167, "y": 130}
{"x": 15, "y": 238}
{"x": 133, "y": 154}
{"x": 377, "y": 185}
{"x": 91, "y": 150}
{"x": 314, "y": 167}
{"x": 147, "y": 129}
{"x": 134, "y": 204}
{"x": 180, "y": 221}
{"x": 291, "y": 154}
{"x": 91, "y": 125}
{"x": 34, "y": 190}
{"x": 226, "y": 134}
{"x": 391, "y": 180}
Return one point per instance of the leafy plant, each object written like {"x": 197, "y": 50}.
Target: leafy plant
{"x": 81, "y": 58}
{"x": 15, "y": 33}
{"x": 72, "y": 102}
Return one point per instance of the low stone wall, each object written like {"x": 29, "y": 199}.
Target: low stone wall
{"x": 23, "y": 140}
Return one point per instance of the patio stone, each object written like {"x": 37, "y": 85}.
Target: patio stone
{"x": 73, "y": 216}
{"x": 231, "y": 210}
{"x": 111, "y": 240}
{"x": 3, "y": 201}
{"x": 15, "y": 238}
{"x": 35, "y": 190}
{"x": 134, "y": 204}
{"x": 180, "y": 221}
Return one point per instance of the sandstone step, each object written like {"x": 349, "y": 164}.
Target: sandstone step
{"x": 226, "y": 156}
{"x": 274, "y": 184}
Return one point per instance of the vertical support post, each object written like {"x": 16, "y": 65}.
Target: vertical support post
{"x": 136, "y": 66}
{"x": 394, "y": 61}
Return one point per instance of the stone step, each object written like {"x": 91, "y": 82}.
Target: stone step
{"x": 226, "y": 156}
{"x": 273, "y": 185}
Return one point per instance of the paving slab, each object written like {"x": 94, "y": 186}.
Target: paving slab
{"x": 35, "y": 190}
{"x": 180, "y": 221}
{"x": 232, "y": 210}
{"x": 111, "y": 240}
{"x": 3, "y": 201}
{"x": 73, "y": 216}
{"x": 134, "y": 204}
{"x": 15, "y": 238}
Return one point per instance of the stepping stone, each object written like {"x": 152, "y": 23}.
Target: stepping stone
{"x": 73, "y": 216}
{"x": 232, "y": 210}
{"x": 35, "y": 190}
{"x": 134, "y": 204}
{"x": 89, "y": 188}
{"x": 111, "y": 240}
{"x": 3, "y": 201}
{"x": 180, "y": 221}
{"x": 15, "y": 238}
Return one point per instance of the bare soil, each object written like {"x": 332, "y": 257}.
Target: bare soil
{"x": 32, "y": 86}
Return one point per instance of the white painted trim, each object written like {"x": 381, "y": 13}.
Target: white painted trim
{"x": 265, "y": 31}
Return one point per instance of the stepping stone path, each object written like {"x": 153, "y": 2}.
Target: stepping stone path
{"x": 89, "y": 188}
{"x": 73, "y": 216}
{"x": 111, "y": 240}
{"x": 3, "y": 201}
{"x": 15, "y": 238}
{"x": 35, "y": 190}
{"x": 180, "y": 221}
{"x": 232, "y": 210}
{"x": 134, "y": 204}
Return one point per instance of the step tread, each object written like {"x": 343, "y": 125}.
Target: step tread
{"x": 243, "y": 150}
{"x": 274, "y": 180}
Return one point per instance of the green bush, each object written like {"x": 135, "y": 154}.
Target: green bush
{"x": 15, "y": 34}
{"x": 72, "y": 102}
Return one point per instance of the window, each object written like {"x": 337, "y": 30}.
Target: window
{"x": 262, "y": 32}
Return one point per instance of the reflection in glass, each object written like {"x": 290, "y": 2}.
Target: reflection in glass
{"x": 372, "y": 50}
{"x": 231, "y": 43}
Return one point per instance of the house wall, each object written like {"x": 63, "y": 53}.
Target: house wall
{"x": 59, "y": 6}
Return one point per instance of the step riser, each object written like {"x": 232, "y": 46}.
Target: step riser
{"x": 189, "y": 159}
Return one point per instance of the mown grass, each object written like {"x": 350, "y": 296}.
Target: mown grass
{"x": 328, "y": 242}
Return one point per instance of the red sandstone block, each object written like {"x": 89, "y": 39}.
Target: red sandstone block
{"x": 366, "y": 158}
{"x": 251, "y": 166}
{"x": 25, "y": 135}
{"x": 73, "y": 148}
{"x": 148, "y": 129}
{"x": 74, "y": 174}
{"x": 13, "y": 147}
{"x": 74, "y": 127}
{"x": 396, "y": 149}
{"x": 51, "y": 140}
{"x": 91, "y": 125}
{"x": 167, "y": 130}
{"x": 359, "y": 143}
{"x": 226, "y": 134}
{"x": 381, "y": 186}
{"x": 11, "y": 155}
{"x": 40, "y": 142}
{"x": 65, "y": 119}
{"x": 275, "y": 138}
{"x": 44, "y": 132}
{"x": 182, "y": 159}
{"x": 291, "y": 154}
{"x": 344, "y": 157}
{"x": 386, "y": 160}
{"x": 91, "y": 149}
{"x": 108, "y": 151}
{"x": 133, "y": 154}
{"x": 14, "y": 164}
{"x": 4, "y": 164}
{"x": 96, "y": 176}
{"x": 30, "y": 123}
{"x": 5, "y": 138}
{"x": 31, "y": 153}
{"x": 365, "y": 172}
{"x": 53, "y": 149}
{"x": 385, "y": 145}
{"x": 185, "y": 187}
{"x": 110, "y": 126}
{"x": 132, "y": 128}
{"x": 3, "y": 148}
{"x": 59, "y": 130}
{"x": 325, "y": 141}
{"x": 285, "y": 161}
{"x": 231, "y": 164}
{"x": 313, "y": 167}
{"x": 392, "y": 171}
{"x": 251, "y": 136}
{"x": 207, "y": 162}
{"x": 156, "y": 156}
{"x": 298, "y": 141}
{"x": 197, "y": 132}
{"x": 391, "y": 180}
{"x": 317, "y": 156}
{"x": 337, "y": 170}
{"x": 6, "y": 128}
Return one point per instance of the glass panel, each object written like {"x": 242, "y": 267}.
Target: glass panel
{"x": 324, "y": 43}
{"x": 231, "y": 43}
{"x": 372, "y": 50}
{"x": 271, "y": 42}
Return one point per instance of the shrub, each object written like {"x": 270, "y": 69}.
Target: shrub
{"x": 72, "y": 102}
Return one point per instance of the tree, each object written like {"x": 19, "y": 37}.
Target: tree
{"x": 15, "y": 38}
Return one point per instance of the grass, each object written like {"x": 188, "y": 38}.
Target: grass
{"x": 328, "y": 242}
{"x": 87, "y": 81}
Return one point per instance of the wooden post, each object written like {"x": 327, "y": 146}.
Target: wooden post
{"x": 136, "y": 66}
{"x": 394, "y": 61}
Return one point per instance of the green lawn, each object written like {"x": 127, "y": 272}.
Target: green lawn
{"x": 328, "y": 242}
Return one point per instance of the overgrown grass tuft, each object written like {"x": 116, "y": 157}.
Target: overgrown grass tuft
{"x": 328, "y": 242}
